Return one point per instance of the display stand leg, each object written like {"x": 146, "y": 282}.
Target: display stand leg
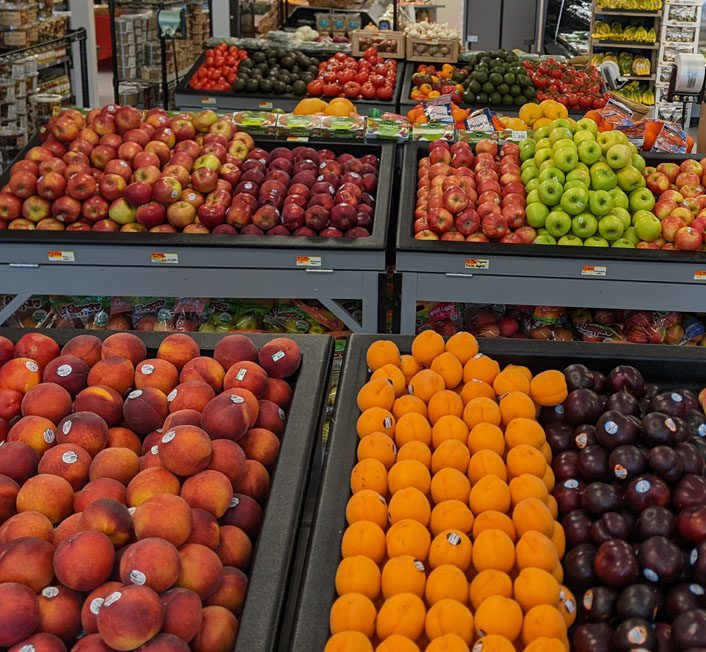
{"x": 333, "y": 306}
{"x": 408, "y": 305}
{"x": 12, "y": 307}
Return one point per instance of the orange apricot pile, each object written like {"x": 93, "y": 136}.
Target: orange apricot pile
{"x": 452, "y": 542}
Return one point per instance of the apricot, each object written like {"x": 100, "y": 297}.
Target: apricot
{"x": 26, "y": 524}
{"x": 86, "y": 429}
{"x": 27, "y": 561}
{"x": 60, "y": 612}
{"x": 182, "y": 613}
{"x": 209, "y": 490}
{"x": 20, "y": 375}
{"x": 218, "y": 632}
{"x": 10, "y": 403}
{"x": 358, "y": 574}
{"x": 382, "y": 352}
{"x": 124, "y": 438}
{"x": 150, "y": 562}
{"x": 109, "y": 517}
{"x": 19, "y": 613}
{"x": 86, "y": 347}
{"x": 124, "y": 345}
{"x": 254, "y": 481}
{"x": 353, "y": 612}
{"x": 130, "y": 617}
{"x": 401, "y": 614}
{"x": 69, "y": 372}
{"x": 84, "y": 561}
{"x": 103, "y": 401}
{"x": 37, "y": 346}
{"x": 279, "y": 391}
{"x": 227, "y": 417}
{"x": 68, "y": 461}
{"x": 178, "y": 349}
{"x": 97, "y": 489}
{"x": 204, "y": 529}
{"x": 47, "y": 494}
{"x": 185, "y": 450}
{"x": 234, "y": 348}
{"x": 37, "y": 432}
{"x": 244, "y": 512}
{"x": 190, "y": 395}
{"x": 201, "y": 570}
{"x": 117, "y": 373}
{"x": 47, "y": 400}
{"x": 92, "y": 604}
{"x": 349, "y": 642}
{"x": 403, "y": 574}
{"x": 18, "y": 460}
{"x": 231, "y": 592}
{"x": 228, "y": 458}
{"x": 203, "y": 369}
{"x": 151, "y": 482}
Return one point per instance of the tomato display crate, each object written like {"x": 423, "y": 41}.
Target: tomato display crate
{"x": 273, "y": 554}
{"x": 310, "y": 627}
{"x": 189, "y": 99}
{"x": 359, "y": 36}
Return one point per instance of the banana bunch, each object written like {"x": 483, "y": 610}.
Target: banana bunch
{"x": 640, "y": 5}
{"x": 637, "y": 93}
{"x": 625, "y": 63}
{"x": 597, "y": 59}
{"x": 617, "y": 32}
{"x": 641, "y": 66}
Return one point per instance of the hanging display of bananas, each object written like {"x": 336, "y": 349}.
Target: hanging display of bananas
{"x": 639, "y": 5}
{"x": 615, "y": 31}
{"x": 637, "y": 93}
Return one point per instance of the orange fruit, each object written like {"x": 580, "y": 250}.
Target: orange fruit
{"x": 426, "y": 346}
{"x": 449, "y": 368}
{"x": 408, "y": 537}
{"x": 367, "y": 505}
{"x": 446, "y": 581}
{"x": 376, "y": 419}
{"x": 409, "y": 366}
{"x": 481, "y": 410}
{"x": 408, "y": 403}
{"x": 549, "y": 388}
{"x": 481, "y": 367}
{"x": 403, "y": 574}
{"x": 463, "y": 345}
{"x": 536, "y": 550}
{"x": 567, "y": 605}
{"x": 447, "y": 643}
{"x": 493, "y": 520}
{"x": 394, "y": 376}
{"x": 369, "y": 474}
{"x": 511, "y": 380}
{"x": 543, "y": 620}
{"x": 358, "y": 574}
{"x": 425, "y": 384}
{"x": 349, "y": 642}
{"x": 534, "y": 586}
{"x": 527, "y": 486}
{"x": 486, "y": 436}
{"x": 397, "y": 643}
{"x": 415, "y": 450}
{"x": 381, "y": 353}
{"x": 484, "y": 463}
{"x": 377, "y": 392}
{"x": 451, "y": 515}
{"x": 402, "y": 614}
{"x": 364, "y": 538}
{"x": 412, "y": 427}
{"x": 377, "y": 446}
{"x": 525, "y": 459}
{"x": 546, "y": 644}
{"x": 445, "y": 403}
{"x": 516, "y": 405}
{"x": 487, "y": 583}
{"x": 495, "y": 550}
{"x": 450, "y": 484}
{"x": 475, "y": 388}
{"x": 490, "y": 492}
{"x": 451, "y": 547}
{"x": 353, "y": 612}
{"x": 558, "y": 539}
{"x": 451, "y": 454}
{"x": 493, "y": 643}
{"x": 409, "y": 503}
{"x": 449, "y": 617}
{"x": 448, "y": 427}
{"x": 532, "y": 514}
{"x": 522, "y": 430}
{"x": 409, "y": 473}
{"x": 499, "y": 615}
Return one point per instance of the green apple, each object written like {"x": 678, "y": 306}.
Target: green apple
{"x": 549, "y": 163}
{"x": 533, "y": 196}
{"x": 638, "y": 161}
{"x": 620, "y": 137}
{"x": 582, "y": 166}
{"x": 575, "y": 183}
{"x": 531, "y": 185}
{"x": 631, "y": 235}
{"x": 579, "y": 174}
{"x": 529, "y": 163}
{"x": 574, "y": 200}
{"x": 566, "y": 159}
{"x": 542, "y": 155}
{"x": 542, "y": 132}
{"x": 582, "y": 136}
{"x": 544, "y": 238}
{"x": 536, "y": 214}
{"x": 602, "y": 177}
{"x": 564, "y": 142}
{"x": 606, "y": 139}
{"x": 620, "y": 199}
{"x": 596, "y": 241}
{"x": 610, "y": 227}
{"x": 549, "y": 192}
{"x": 584, "y": 225}
{"x": 600, "y": 202}
{"x": 542, "y": 231}
{"x": 586, "y": 124}
{"x": 642, "y": 199}
{"x": 647, "y": 226}
{"x": 543, "y": 143}
{"x": 558, "y": 133}
{"x": 570, "y": 240}
{"x": 527, "y": 153}
{"x": 589, "y": 152}
{"x": 624, "y": 216}
{"x": 623, "y": 243}
{"x": 558, "y": 223}
{"x": 562, "y": 122}
{"x": 552, "y": 173}
{"x": 630, "y": 178}
{"x": 528, "y": 174}
{"x": 618, "y": 156}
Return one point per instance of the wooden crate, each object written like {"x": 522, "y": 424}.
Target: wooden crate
{"x": 390, "y": 45}
{"x": 418, "y": 49}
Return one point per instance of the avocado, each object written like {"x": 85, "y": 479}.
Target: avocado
{"x": 495, "y": 98}
{"x": 509, "y": 78}
{"x": 480, "y": 76}
{"x": 265, "y": 86}
{"x": 252, "y": 85}
{"x": 495, "y": 78}
{"x": 508, "y": 100}
{"x": 279, "y": 87}
{"x": 486, "y": 60}
{"x": 284, "y": 77}
{"x": 520, "y": 100}
{"x": 468, "y": 97}
{"x": 259, "y": 57}
{"x": 286, "y": 62}
{"x": 246, "y": 63}
{"x": 488, "y": 88}
{"x": 458, "y": 76}
{"x": 482, "y": 98}
{"x": 280, "y": 53}
{"x": 530, "y": 93}
{"x": 239, "y": 85}
{"x": 299, "y": 87}
{"x": 524, "y": 80}
{"x": 288, "y": 89}
{"x": 475, "y": 87}
{"x": 515, "y": 90}
{"x": 263, "y": 68}
{"x": 503, "y": 89}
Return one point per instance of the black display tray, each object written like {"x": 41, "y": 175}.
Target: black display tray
{"x": 376, "y": 241}
{"x": 274, "y": 552}
{"x": 406, "y": 242}
{"x": 666, "y": 365}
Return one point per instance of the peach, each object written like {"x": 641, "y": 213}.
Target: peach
{"x": 97, "y": 489}
{"x": 109, "y": 517}
{"x": 151, "y": 562}
{"x": 41, "y": 642}
{"x": 261, "y": 445}
{"x": 156, "y": 373}
{"x": 145, "y": 410}
{"x": 218, "y": 631}
{"x": 103, "y": 401}
{"x": 226, "y": 417}
{"x": 6, "y": 350}
{"x": 231, "y": 592}
{"x": 244, "y": 512}
{"x": 68, "y": 461}
{"x": 92, "y": 604}
{"x": 117, "y": 373}
{"x": 9, "y": 490}
{"x": 84, "y": 561}
{"x": 204, "y": 529}
{"x": 254, "y": 481}
{"x": 151, "y": 482}
{"x": 247, "y": 375}
{"x": 165, "y": 516}
{"x": 235, "y": 548}
{"x": 271, "y": 417}
{"x": 201, "y": 570}
{"x": 37, "y": 432}
{"x": 68, "y": 371}
{"x": 182, "y": 418}
{"x": 20, "y": 375}
{"x": 151, "y": 459}
{"x": 47, "y": 400}
{"x": 68, "y": 527}
{"x": 27, "y": 561}
{"x": 234, "y": 348}
{"x": 121, "y": 464}
{"x": 205, "y": 370}
{"x": 151, "y": 440}
{"x": 185, "y": 450}
{"x": 27, "y": 524}
{"x": 91, "y": 643}
{"x": 191, "y": 395}
{"x": 166, "y": 643}
{"x": 228, "y": 458}
{"x": 279, "y": 391}
{"x": 129, "y": 617}
{"x": 209, "y": 490}
{"x": 60, "y": 612}
{"x": 119, "y": 437}
{"x": 18, "y": 460}
{"x": 124, "y": 345}
{"x": 37, "y": 346}
{"x": 4, "y": 429}
{"x": 47, "y": 494}
{"x": 86, "y": 347}
{"x": 10, "y": 403}
{"x": 280, "y": 357}
{"x": 178, "y": 349}
{"x": 182, "y": 613}
{"x": 19, "y": 613}
{"x": 85, "y": 429}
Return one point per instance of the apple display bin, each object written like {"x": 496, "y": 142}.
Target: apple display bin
{"x": 237, "y": 266}
{"x": 268, "y": 577}
{"x": 591, "y": 277}
{"x": 190, "y": 99}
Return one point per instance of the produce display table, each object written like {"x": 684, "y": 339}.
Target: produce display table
{"x": 433, "y": 270}
{"x": 170, "y": 265}
{"x": 669, "y": 368}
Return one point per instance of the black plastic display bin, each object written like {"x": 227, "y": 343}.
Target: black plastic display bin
{"x": 666, "y": 365}
{"x": 274, "y": 552}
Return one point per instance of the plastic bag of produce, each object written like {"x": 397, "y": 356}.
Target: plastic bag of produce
{"x": 36, "y": 312}
{"x": 91, "y": 313}
{"x": 444, "y": 317}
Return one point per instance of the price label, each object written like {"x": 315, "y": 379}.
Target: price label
{"x": 208, "y": 100}
{"x": 477, "y": 263}
{"x": 61, "y": 256}
{"x": 164, "y": 258}
{"x": 700, "y": 275}
{"x": 298, "y": 139}
{"x": 265, "y": 105}
{"x": 518, "y": 135}
{"x": 308, "y": 261}
{"x": 594, "y": 270}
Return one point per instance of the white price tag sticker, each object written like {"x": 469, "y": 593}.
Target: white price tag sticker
{"x": 208, "y": 100}
{"x": 265, "y": 105}
{"x": 594, "y": 270}
{"x": 308, "y": 261}
{"x": 700, "y": 275}
{"x": 164, "y": 258}
{"x": 61, "y": 256}
{"x": 518, "y": 135}
{"x": 477, "y": 263}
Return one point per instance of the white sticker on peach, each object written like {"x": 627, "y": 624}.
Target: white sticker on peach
{"x": 135, "y": 394}
{"x": 64, "y": 370}
{"x": 112, "y": 599}
{"x": 32, "y": 366}
{"x": 277, "y": 356}
{"x": 237, "y": 399}
{"x": 167, "y": 437}
{"x": 241, "y": 374}
{"x": 172, "y": 395}
{"x": 69, "y": 457}
{"x": 49, "y": 436}
{"x": 66, "y": 428}
{"x": 137, "y": 577}
{"x": 50, "y": 592}
{"x": 147, "y": 369}
{"x": 96, "y": 605}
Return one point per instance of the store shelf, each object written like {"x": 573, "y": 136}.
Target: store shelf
{"x": 46, "y": 66}
{"x": 618, "y": 45}
{"x": 10, "y": 56}
{"x": 628, "y": 13}
{"x": 638, "y": 77}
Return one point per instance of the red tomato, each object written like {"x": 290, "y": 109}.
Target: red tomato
{"x": 351, "y": 89}
{"x": 314, "y": 87}
{"x": 331, "y": 90}
{"x": 377, "y": 81}
{"x": 345, "y": 76}
{"x": 384, "y": 93}
{"x": 368, "y": 91}
{"x": 369, "y": 53}
{"x": 360, "y": 77}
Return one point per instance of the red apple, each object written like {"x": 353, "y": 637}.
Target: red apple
{"x": 138, "y": 193}
{"x": 51, "y": 185}
{"x": 36, "y": 208}
{"x": 494, "y": 225}
{"x": 670, "y": 225}
{"x": 177, "y": 172}
{"x": 166, "y": 190}
{"x": 688, "y": 239}
{"x": 111, "y": 186}
{"x": 126, "y": 118}
{"x": 211, "y": 214}
{"x": 23, "y": 184}
{"x": 81, "y": 186}
{"x": 149, "y": 174}
{"x": 159, "y": 149}
{"x": 10, "y": 206}
{"x": 93, "y": 209}
{"x": 151, "y": 214}
{"x": 180, "y": 214}
{"x": 145, "y": 159}
{"x": 139, "y": 136}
